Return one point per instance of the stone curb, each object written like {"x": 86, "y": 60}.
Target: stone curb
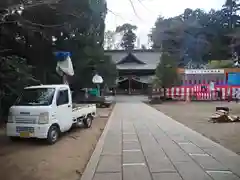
{"x": 90, "y": 169}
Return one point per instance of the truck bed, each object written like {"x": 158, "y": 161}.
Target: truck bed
{"x": 77, "y": 106}
{"x": 82, "y": 110}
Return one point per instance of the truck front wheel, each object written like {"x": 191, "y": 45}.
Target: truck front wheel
{"x": 53, "y": 134}
{"x": 13, "y": 138}
{"x": 88, "y": 121}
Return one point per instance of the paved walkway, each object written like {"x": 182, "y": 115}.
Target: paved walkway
{"x": 141, "y": 143}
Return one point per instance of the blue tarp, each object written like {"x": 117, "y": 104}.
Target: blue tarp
{"x": 234, "y": 79}
{"x": 61, "y": 55}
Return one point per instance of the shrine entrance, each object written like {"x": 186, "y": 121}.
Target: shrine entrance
{"x": 132, "y": 86}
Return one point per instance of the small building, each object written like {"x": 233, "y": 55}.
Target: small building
{"x": 135, "y": 69}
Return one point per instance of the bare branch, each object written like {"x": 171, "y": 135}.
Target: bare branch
{"x": 9, "y": 10}
{"x": 42, "y": 25}
{"x": 34, "y": 24}
{"x": 7, "y": 22}
{"x": 5, "y": 50}
{"x": 12, "y": 9}
{"x": 70, "y": 14}
{"x": 46, "y": 2}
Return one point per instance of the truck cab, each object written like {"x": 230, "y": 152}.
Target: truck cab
{"x": 44, "y": 112}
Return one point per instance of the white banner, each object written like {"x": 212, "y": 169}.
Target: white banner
{"x": 204, "y": 71}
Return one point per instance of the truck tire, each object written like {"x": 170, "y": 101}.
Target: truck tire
{"x": 53, "y": 134}
{"x": 13, "y": 138}
{"x": 107, "y": 105}
{"x": 79, "y": 123}
{"x": 87, "y": 122}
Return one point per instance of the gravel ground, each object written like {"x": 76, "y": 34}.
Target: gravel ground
{"x": 34, "y": 160}
{"x": 195, "y": 115}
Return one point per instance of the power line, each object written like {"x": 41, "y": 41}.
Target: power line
{"x": 134, "y": 10}
{"x": 140, "y": 2}
{"x": 115, "y": 14}
{"x": 118, "y": 15}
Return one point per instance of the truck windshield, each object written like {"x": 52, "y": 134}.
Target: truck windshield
{"x": 36, "y": 97}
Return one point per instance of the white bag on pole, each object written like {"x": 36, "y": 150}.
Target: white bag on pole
{"x": 65, "y": 67}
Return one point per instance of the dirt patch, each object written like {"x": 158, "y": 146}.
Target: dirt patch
{"x": 34, "y": 160}
{"x": 195, "y": 115}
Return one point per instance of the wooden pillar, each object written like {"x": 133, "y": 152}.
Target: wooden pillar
{"x": 129, "y": 85}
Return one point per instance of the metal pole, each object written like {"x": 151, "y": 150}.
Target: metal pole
{"x": 98, "y": 87}
{"x": 64, "y": 79}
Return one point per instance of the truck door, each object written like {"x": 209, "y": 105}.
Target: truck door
{"x": 64, "y": 110}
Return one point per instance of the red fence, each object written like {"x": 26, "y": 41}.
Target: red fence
{"x": 198, "y": 92}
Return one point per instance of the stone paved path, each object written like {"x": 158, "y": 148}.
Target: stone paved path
{"x": 141, "y": 143}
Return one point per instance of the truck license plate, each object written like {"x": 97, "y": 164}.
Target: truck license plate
{"x": 24, "y": 134}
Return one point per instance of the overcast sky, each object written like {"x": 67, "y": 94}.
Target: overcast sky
{"x": 149, "y": 10}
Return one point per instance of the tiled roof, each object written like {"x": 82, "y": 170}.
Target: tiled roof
{"x": 136, "y": 66}
{"x": 149, "y": 57}
{"x": 130, "y": 58}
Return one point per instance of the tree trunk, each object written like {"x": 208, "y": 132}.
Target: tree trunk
{"x": 1, "y": 110}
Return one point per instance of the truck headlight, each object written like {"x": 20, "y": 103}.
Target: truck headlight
{"x": 43, "y": 118}
{"x": 10, "y": 118}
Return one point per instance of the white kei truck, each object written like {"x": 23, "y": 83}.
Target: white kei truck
{"x": 46, "y": 111}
